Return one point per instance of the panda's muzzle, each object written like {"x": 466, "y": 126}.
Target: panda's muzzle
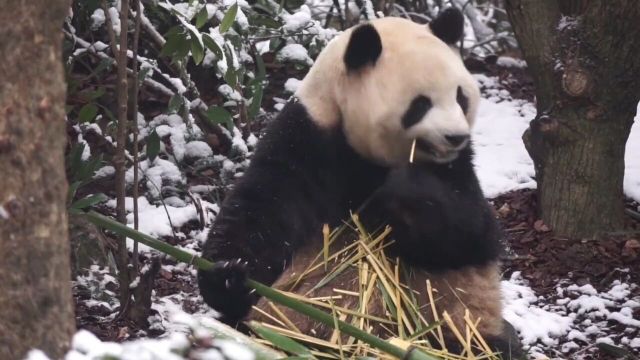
{"x": 457, "y": 141}
{"x": 442, "y": 154}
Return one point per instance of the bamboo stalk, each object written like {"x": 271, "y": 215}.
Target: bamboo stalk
{"x": 436, "y": 318}
{"x": 413, "y": 151}
{"x": 261, "y": 289}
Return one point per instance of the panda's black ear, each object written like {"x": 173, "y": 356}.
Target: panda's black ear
{"x": 448, "y": 26}
{"x": 364, "y": 47}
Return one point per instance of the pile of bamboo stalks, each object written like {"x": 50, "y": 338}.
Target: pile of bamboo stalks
{"x": 379, "y": 279}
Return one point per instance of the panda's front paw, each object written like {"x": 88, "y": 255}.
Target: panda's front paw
{"x": 413, "y": 190}
{"x": 408, "y": 181}
{"x": 224, "y": 289}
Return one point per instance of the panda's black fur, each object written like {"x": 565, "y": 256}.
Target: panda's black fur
{"x": 290, "y": 190}
{"x": 303, "y": 175}
{"x": 439, "y": 216}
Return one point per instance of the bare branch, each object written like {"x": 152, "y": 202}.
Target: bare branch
{"x": 122, "y": 257}
{"x": 112, "y": 35}
{"x": 134, "y": 125}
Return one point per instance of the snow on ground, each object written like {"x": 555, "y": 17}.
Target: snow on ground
{"x": 532, "y": 322}
{"x": 576, "y": 317}
{"x": 157, "y": 220}
{"x": 502, "y": 162}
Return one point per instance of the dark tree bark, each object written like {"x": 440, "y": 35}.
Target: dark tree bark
{"x": 35, "y": 291}
{"x": 584, "y": 57}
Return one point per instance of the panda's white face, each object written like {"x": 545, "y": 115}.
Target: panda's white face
{"x": 414, "y": 87}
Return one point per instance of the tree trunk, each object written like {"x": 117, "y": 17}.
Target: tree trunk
{"x": 584, "y": 57}
{"x": 35, "y": 291}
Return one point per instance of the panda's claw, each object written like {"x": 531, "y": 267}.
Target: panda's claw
{"x": 225, "y": 290}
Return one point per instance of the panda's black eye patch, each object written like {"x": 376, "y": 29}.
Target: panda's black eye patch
{"x": 418, "y": 108}
{"x": 462, "y": 100}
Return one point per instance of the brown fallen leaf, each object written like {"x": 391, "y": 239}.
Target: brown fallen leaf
{"x": 540, "y": 226}
{"x": 168, "y": 275}
{"x": 630, "y": 248}
{"x": 123, "y": 333}
{"x": 632, "y": 244}
{"x": 504, "y": 210}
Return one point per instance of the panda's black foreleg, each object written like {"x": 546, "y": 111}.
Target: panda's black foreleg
{"x": 284, "y": 197}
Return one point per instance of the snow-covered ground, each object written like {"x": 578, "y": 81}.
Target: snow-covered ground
{"x": 502, "y": 162}
{"x": 578, "y": 317}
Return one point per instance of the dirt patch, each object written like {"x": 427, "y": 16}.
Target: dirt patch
{"x": 543, "y": 257}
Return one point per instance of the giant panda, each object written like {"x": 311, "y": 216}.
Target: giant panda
{"x": 345, "y": 138}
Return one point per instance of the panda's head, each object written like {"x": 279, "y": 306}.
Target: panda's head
{"x": 391, "y": 81}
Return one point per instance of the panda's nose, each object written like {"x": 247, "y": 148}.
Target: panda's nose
{"x": 457, "y": 140}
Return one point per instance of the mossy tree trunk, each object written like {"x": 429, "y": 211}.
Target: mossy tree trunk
{"x": 584, "y": 57}
{"x": 35, "y": 291}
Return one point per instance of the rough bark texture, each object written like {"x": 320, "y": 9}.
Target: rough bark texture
{"x": 584, "y": 57}
{"x": 35, "y": 291}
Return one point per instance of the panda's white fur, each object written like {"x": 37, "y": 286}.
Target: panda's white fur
{"x": 368, "y": 104}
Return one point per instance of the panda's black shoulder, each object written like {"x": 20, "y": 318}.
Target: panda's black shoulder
{"x": 292, "y": 126}
{"x": 318, "y": 160}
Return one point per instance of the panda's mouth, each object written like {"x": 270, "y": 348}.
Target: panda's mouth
{"x": 436, "y": 154}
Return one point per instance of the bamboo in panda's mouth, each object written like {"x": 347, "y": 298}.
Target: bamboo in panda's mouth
{"x": 413, "y": 151}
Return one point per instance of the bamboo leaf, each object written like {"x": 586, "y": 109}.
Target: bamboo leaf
{"x": 256, "y": 101}
{"x": 260, "y": 68}
{"x": 231, "y": 77}
{"x": 74, "y": 159}
{"x": 266, "y": 21}
{"x": 153, "y": 145}
{"x": 183, "y": 49}
{"x": 92, "y": 95}
{"x": 197, "y": 51}
{"x": 228, "y": 18}
{"x": 87, "y": 113}
{"x": 281, "y": 342}
{"x": 212, "y": 45}
{"x": 174, "y": 42}
{"x": 219, "y": 115}
{"x": 73, "y": 188}
{"x": 175, "y": 103}
{"x": 202, "y": 17}
{"x": 89, "y": 201}
{"x": 88, "y": 169}
{"x": 274, "y": 44}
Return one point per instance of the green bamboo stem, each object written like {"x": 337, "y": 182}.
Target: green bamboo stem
{"x": 263, "y": 290}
